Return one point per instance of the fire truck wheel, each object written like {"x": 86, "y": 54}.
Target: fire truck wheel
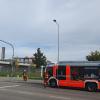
{"x": 53, "y": 83}
{"x": 91, "y": 87}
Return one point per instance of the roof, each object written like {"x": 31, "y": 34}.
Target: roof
{"x": 79, "y": 63}
{"x": 4, "y": 62}
{"x": 21, "y": 64}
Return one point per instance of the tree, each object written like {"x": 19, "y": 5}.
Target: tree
{"x": 93, "y": 56}
{"x": 39, "y": 59}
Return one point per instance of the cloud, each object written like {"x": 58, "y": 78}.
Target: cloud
{"x": 28, "y": 24}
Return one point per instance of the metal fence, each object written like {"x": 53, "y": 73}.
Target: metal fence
{"x": 6, "y": 70}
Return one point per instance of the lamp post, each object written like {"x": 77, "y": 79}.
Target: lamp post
{"x": 55, "y": 21}
{"x": 12, "y": 49}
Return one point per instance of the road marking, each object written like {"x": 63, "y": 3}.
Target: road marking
{"x": 3, "y": 87}
{"x": 45, "y": 95}
{"x": 52, "y": 96}
{"x": 37, "y": 94}
{"x": 41, "y": 95}
{"x": 60, "y": 97}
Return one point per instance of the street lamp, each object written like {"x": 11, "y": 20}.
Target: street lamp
{"x": 55, "y": 21}
{"x": 12, "y": 49}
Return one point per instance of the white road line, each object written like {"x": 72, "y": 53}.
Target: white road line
{"x": 60, "y": 97}
{"x": 3, "y": 87}
{"x": 38, "y": 94}
{"x": 43, "y": 95}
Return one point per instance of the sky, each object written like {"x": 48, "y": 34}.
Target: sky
{"x": 28, "y": 25}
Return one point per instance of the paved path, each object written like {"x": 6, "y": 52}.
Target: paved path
{"x": 15, "y": 79}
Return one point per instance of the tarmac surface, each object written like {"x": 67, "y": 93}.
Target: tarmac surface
{"x": 17, "y": 89}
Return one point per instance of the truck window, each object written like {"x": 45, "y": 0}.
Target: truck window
{"x": 61, "y": 74}
{"x": 77, "y": 73}
{"x": 50, "y": 71}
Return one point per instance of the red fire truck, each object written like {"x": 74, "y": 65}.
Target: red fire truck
{"x": 78, "y": 74}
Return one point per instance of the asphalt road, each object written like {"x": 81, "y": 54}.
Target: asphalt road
{"x": 36, "y": 91}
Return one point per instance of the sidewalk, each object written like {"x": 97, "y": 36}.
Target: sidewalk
{"x": 18, "y": 79}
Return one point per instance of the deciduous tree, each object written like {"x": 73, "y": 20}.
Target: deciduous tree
{"x": 93, "y": 56}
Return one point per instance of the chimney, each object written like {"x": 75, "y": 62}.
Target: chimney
{"x": 3, "y": 53}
